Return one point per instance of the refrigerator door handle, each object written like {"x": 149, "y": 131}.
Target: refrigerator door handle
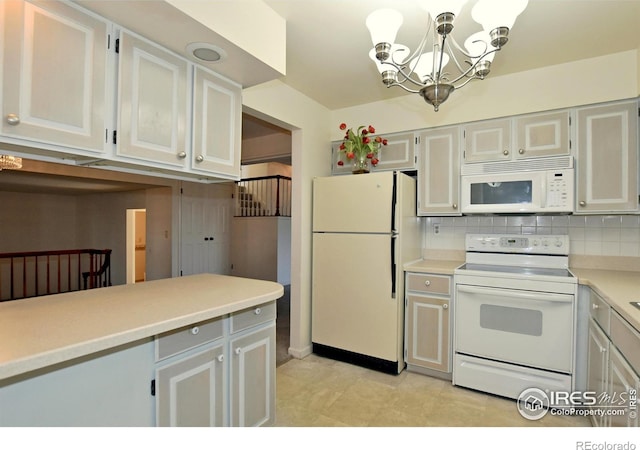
{"x": 394, "y": 235}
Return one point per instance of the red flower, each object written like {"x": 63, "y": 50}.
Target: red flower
{"x": 343, "y": 126}
{"x": 384, "y": 142}
{"x": 371, "y": 129}
{"x": 378, "y": 139}
{"x": 342, "y": 147}
{"x": 375, "y": 161}
{"x": 369, "y": 155}
{"x": 340, "y": 163}
{"x": 366, "y": 140}
{"x": 350, "y": 155}
{"x": 364, "y": 132}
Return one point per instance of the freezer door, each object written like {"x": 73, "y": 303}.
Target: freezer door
{"x": 352, "y": 304}
{"x": 353, "y": 203}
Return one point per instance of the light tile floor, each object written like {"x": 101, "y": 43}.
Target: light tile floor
{"x": 320, "y": 392}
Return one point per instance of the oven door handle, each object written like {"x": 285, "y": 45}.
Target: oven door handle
{"x": 535, "y": 296}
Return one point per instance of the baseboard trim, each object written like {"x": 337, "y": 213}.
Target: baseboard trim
{"x": 300, "y": 353}
{"x": 370, "y": 362}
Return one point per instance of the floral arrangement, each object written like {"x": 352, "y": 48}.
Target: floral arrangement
{"x": 359, "y": 146}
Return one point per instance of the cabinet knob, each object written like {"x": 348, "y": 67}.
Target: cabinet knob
{"x": 182, "y": 155}
{"x": 594, "y": 306}
{"x": 521, "y": 151}
{"x": 13, "y": 119}
{"x": 505, "y": 153}
{"x": 583, "y": 203}
{"x": 427, "y": 283}
{"x": 195, "y": 330}
{"x": 220, "y": 358}
{"x": 199, "y": 158}
{"x": 454, "y": 206}
{"x": 603, "y": 349}
{"x": 445, "y": 306}
{"x": 238, "y": 351}
{"x": 258, "y": 311}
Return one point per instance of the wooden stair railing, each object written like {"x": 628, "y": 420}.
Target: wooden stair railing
{"x": 32, "y": 274}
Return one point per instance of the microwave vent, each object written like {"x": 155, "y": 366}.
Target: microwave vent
{"x": 561, "y": 162}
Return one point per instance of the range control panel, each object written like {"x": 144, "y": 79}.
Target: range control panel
{"x": 555, "y": 244}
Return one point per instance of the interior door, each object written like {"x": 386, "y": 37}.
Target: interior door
{"x": 352, "y": 304}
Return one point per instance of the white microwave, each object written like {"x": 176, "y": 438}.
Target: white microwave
{"x": 534, "y": 186}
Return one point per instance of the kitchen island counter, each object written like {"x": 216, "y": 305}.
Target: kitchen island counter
{"x": 44, "y": 331}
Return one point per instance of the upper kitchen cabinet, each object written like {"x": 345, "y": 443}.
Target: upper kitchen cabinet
{"x": 54, "y": 78}
{"x": 398, "y": 154}
{"x": 152, "y": 107}
{"x": 520, "y": 137}
{"x": 607, "y": 158}
{"x": 217, "y": 120}
{"x": 439, "y": 172}
{"x": 545, "y": 134}
{"x": 489, "y": 140}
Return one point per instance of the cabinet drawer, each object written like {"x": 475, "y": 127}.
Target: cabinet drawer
{"x": 627, "y": 340}
{"x": 185, "y": 338}
{"x": 435, "y": 284}
{"x": 600, "y": 311}
{"x": 250, "y": 317}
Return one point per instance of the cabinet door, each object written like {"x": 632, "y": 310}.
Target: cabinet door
{"x": 607, "y": 160}
{"x": 598, "y": 356}
{"x": 190, "y": 392}
{"x": 152, "y": 103}
{"x": 253, "y": 373}
{"x": 487, "y": 141}
{"x": 543, "y": 135}
{"x": 439, "y": 172}
{"x": 54, "y": 74}
{"x": 428, "y": 341}
{"x": 217, "y": 119}
{"x": 623, "y": 390}
{"x": 398, "y": 154}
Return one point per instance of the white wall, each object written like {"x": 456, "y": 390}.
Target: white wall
{"x": 311, "y": 156}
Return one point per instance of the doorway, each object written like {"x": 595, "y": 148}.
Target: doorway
{"x": 136, "y": 245}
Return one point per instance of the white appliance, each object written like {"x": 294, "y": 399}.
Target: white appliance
{"x": 542, "y": 185}
{"x": 364, "y": 229}
{"x": 516, "y": 315}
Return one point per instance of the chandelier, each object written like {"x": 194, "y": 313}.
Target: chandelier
{"x": 424, "y": 71}
{"x": 10, "y": 162}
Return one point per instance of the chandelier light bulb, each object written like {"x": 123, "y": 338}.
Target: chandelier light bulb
{"x": 383, "y": 25}
{"x": 423, "y": 66}
{"x": 492, "y": 14}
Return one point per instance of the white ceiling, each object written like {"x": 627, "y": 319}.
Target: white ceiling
{"x": 328, "y": 42}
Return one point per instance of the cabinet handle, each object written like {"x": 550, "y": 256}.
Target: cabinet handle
{"x": 195, "y": 330}
{"x": 258, "y": 311}
{"x": 220, "y": 358}
{"x": 505, "y": 153}
{"x": 521, "y": 151}
{"x": 199, "y": 158}
{"x": 445, "y": 306}
{"x": 603, "y": 350}
{"x": 455, "y": 206}
{"x": 238, "y": 351}
{"x": 583, "y": 203}
{"x": 182, "y": 155}
{"x": 427, "y": 283}
{"x": 594, "y": 306}
{"x": 13, "y": 119}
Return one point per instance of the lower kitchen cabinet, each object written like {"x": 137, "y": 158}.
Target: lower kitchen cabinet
{"x": 613, "y": 373}
{"x": 428, "y": 324}
{"x": 224, "y": 374}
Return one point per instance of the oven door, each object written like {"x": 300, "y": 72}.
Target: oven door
{"x": 533, "y": 329}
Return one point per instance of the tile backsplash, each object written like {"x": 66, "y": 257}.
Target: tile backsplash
{"x": 589, "y": 235}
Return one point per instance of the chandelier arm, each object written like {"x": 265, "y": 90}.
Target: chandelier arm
{"x": 395, "y": 83}
{"x": 406, "y": 76}
{"x": 468, "y": 80}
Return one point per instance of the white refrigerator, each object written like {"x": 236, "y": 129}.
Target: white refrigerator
{"x": 364, "y": 229}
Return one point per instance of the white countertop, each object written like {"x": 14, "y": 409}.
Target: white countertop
{"x": 42, "y": 331}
